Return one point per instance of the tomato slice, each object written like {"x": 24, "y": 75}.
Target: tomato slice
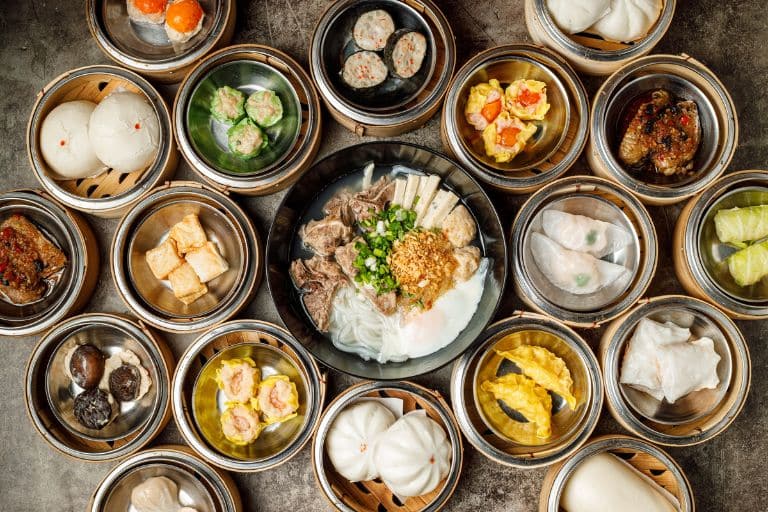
{"x": 508, "y": 136}
{"x": 527, "y": 97}
{"x": 491, "y": 110}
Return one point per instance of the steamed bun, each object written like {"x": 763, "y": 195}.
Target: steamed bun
{"x": 125, "y": 131}
{"x": 628, "y": 20}
{"x": 574, "y": 16}
{"x": 65, "y": 144}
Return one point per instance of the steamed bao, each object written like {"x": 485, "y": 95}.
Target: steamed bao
{"x": 80, "y": 139}
{"x": 613, "y": 20}
{"x": 411, "y": 454}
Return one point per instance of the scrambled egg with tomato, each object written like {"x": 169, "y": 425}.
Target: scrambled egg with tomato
{"x": 500, "y": 115}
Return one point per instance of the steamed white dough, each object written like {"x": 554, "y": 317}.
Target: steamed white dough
{"x": 584, "y": 234}
{"x": 574, "y": 16}
{"x": 628, "y": 20}
{"x": 65, "y": 144}
{"x": 125, "y": 132}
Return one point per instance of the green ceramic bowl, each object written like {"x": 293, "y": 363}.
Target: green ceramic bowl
{"x": 209, "y": 135}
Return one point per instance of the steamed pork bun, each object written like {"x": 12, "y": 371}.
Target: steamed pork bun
{"x": 125, "y": 132}
{"x": 65, "y": 144}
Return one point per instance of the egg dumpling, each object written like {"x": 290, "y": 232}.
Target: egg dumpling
{"x": 527, "y": 99}
{"x": 506, "y": 137}
{"x": 484, "y": 104}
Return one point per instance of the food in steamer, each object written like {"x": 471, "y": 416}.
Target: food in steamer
{"x": 183, "y": 20}
{"x": 394, "y": 273}
{"x": 147, "y": 11}
{"x": 158, "y": 494}
{"x": 745, "y": 229}
{"x": 65, "y": 144}
{"x": 613, "y": 20}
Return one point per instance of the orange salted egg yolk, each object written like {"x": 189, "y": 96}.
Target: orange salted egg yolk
{"x": 150, "y": 6}
{"x": 184, "y": 15}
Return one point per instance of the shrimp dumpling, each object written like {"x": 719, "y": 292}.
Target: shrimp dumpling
{"x": 277, "y": 399}
{"x": 506, "y": 137}
{"x": 574, "y": 16}
{"x": 156, "y": 494}
{"x": 238, "y": 379}
{"x": 240, "y": 424}
{"x": 584, "y": 234}
{"x": 572, "y": 271}
{"x": 628, "y": 20}
{"x": 484, "y": 104}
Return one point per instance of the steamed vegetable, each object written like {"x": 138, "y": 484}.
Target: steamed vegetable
{"x": 742, "y": 224}
{"x": 749, "y": 265}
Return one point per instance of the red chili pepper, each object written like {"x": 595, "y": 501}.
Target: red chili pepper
{"x": 684, "y": 120}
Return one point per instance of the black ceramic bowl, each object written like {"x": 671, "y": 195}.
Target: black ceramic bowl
{"x": 314, "y": 187}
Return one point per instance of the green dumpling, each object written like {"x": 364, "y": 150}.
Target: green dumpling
{"x": 749, "y": 265}
{"x": 246, "y": 139}
{"x": 228, "y": 104}
{"x": 264, "y": 107}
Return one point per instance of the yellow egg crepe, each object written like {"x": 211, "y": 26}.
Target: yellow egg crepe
{"x": 506, "y": 137}
{"x": 527, "y": 99}
{"x": 526, "y": 397}
{"x": 545, "y": 368}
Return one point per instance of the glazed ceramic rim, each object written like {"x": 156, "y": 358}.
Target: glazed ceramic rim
{"x": 703, "y": 204}
{"x": 223, "y": 12}
{"x": 640, "y": 47}
{"x": 148, "y": 178}
{"x": 175, "y": 456}
{"x": 77, "y": 256}
{"x": 568, "y": 80}
{"x": 275, "y": 171}
{"x": 359, "y": 115}
{"x": 648, "y": 248}
{"x": 235, "y": 299}
{"x": 604, "y": 444}
{"x": 315, "y": 386}
{"x": 599, "y": 137}
{"x": 346, "y": 397}
{"x": 611, "y": 365}
{"x": 461, "y": 374}
{"x": 151, "y": 426}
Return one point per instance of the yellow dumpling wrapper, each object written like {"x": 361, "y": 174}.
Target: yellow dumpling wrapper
{"x": 526, "y": 397}
{"x": 277, "y": 399}
{"x": 240, "y": 424}
{"x": 545, "y": 368}
{"x": 229, "y": 371}
{"x": 527, "y": 99}
{"x": 495, "y": 145}
{"x": 478, "y": 95}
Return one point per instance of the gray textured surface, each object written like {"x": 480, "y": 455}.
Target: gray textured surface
{"x": 39, "y": 40}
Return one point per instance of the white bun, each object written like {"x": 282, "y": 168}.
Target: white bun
{"x": 125, "y": 132}
{"x": 65, "y": 144}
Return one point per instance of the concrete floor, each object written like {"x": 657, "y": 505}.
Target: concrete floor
{"x": 41, "y": 39}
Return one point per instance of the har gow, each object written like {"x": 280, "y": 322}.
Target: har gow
{"x": 628, "y": 20}
{"x": 574, "y": 16}
{"x": 571, "y": 271}
{"x": 584, "y": 234}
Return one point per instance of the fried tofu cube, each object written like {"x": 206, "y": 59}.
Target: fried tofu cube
{"x": 186, "y": 285}
{"x": 163, "y": 259}
{"x": 188, "y": 234}
{"x": 207, "y": 262}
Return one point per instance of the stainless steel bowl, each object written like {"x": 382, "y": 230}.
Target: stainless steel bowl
{"x": 698, "y": 416}
{"x": 49, "y": 393}
{"x": 75, "y": 283}
{"x": 686, "y": 79}
{"x": 414, "y": 396}
{"x": 200, "y": 486}
{"x": 111, "y": 193}
{"x": 705, "y": 255}
{"x": 560, "y": 137}
{"x": 397, "y": 101}
{"x": 145, "y": 47}
{"x": 147, "y": 224}
{"x": 621, "y": 446}
{"x": 602, "y": 200}
{"x": 263, "y": 341}
{"x": 570, "y": 429}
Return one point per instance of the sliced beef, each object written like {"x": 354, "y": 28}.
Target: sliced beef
{"x": 385, "y": 302}
{"x": 319, "y": 278}
{"x": 346, "y": 255}
{"x": 372, "y": 200}
{"x": 325, "y": 235}
{"x": 338, "y": 207}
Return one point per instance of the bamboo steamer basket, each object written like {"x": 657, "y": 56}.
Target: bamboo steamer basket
{"x": 111, "y": 193}
{"x": 711, "y": 418}
{"x": 573, "y": 431}
{"x": 588, "y": 52}
{"x": 685, "y": 77}
{"x": 74, "y": 236}
{"x": 160, "y": 65}
{"x": 170, "y": 461}
{"x": 55, "y": 432}
{"x": 591, "y": 196}
{"x": 687, "y": 255}
{"x": 374, "y": 495}
{"x": 403, "y": 118}
{"x": 235, "y": 236}
{"x": 554, "y": 161}
{"x": 225, "y": 337}
{"x": 300, "y": 156}
{"x": 646, "y": 458}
